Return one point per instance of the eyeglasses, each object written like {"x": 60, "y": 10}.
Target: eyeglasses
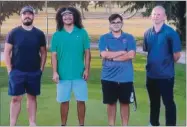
{"x": 116, "y": 23}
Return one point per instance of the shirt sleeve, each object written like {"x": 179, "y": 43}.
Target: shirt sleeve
{"x": 131, "y": 44}
{"x": 102, "y": 44}
{"x": 175, "y": 42}
{"x": 86, "y": 40}
{"x": 42, "y": 40}
{"x": 145, "y": 42}
{"x": 9, "y": 38}
{"x": 53, "y": 45}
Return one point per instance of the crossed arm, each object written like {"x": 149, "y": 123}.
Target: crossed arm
{"x": 119, "y": 55}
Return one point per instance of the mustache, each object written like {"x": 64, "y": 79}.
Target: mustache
{"x": 68, "y": 19}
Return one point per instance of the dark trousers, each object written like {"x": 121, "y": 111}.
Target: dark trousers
{"x": 158, "y": 88}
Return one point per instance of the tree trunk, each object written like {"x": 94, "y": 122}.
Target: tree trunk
{"x": 36, "y": 12}
{"x": 82, "y": 11}
{"x": 110, "y": 7}
{"x": 0, "y": 30}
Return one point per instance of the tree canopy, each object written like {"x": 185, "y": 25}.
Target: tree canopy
{"x": 175, "y": 10}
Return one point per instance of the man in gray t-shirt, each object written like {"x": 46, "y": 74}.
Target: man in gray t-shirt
{"x": 117, "y": 50}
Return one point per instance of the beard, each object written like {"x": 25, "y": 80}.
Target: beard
{"x": 27, "y": 23}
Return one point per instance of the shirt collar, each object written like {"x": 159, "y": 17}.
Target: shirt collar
{"x": 121, "y": 36}
{"x": 161, "y": 29}
{"x": 75, "y": 28}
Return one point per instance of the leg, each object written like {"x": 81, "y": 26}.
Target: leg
{"x": 110, "y": 96}
{"x": 111, "y": 110}
{"x": 31, "y": 108}
{"x": 15, "y": 107}
{"x": 124, "y": 109}
{"x": 154, "y": 97}
{"x": 64, "y": 112}
{"x": 166, "y": 87}
{"x": 81, "y": 109}
{"x": 63, "y": 97}
{"x": 16, "y": 90}
{"x": 32, "y": 90}
{"x": 125, "y": 90}
{"x": 81, "y": 94}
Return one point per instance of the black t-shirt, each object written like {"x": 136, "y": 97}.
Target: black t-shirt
{"x": 26, "y": 48}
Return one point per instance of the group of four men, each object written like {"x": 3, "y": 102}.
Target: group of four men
{"x": 25, "y": 57}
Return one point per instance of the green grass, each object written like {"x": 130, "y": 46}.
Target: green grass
{"x": 48, "y": 109}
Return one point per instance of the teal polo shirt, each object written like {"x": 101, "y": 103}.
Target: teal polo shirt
{"x": 70, "y": 49}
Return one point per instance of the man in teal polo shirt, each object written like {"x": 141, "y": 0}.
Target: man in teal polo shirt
{"x": 70, "y": 47}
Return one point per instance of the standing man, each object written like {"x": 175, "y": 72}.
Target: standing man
{"x": 70, "y": 47}
{"x": 117, "y": 50}
{"x": 163, "y": 46}
{"x": 25, "y": 57}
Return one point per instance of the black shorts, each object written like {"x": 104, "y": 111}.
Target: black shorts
{"x": 112, "y": 91}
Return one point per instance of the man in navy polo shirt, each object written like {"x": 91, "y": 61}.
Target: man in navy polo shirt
{"x": 117, "y": 50}
{"x": 163, "y": 46}
{"x": 25, "y": 57}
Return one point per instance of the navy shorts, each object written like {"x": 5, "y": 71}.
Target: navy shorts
{"x": 114, "y": 91}
{"x": 24, "y": 82}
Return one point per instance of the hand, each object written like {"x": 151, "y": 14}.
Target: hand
{"x": 42, "y": 69}
{"x": 55, "y": 77}
{"x": 9, "y": 70}
{"x": 86, "y": 74}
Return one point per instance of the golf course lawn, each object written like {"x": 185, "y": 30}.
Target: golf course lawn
{"x": 48, "y": 109}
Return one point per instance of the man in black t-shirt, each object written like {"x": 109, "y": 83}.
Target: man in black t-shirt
{"x": 25, "y": 57}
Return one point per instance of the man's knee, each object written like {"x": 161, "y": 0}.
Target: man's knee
{"x": 16, "y": 99}
{"x": 81, "y": 102}
{"x": 169, "y": 103}
{"x": 31, "y": 97}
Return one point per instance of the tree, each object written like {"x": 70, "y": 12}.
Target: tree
{"x": 8, "y": 8}
{"x": 175, "y": 11}
{"x": 57, "y": 4}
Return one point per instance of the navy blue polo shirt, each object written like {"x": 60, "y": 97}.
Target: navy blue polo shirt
{"x": 26, "y": 48}
{"x": 117, "y": 71}
{"x": 160, "y": 47}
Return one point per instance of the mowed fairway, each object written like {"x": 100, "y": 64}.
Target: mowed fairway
{"x": 48, "y": 109}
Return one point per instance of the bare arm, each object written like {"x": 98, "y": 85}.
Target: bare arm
{"x": 127, "y": 56}
{"x": 111, "y": 55}
{"x": 54, "y": 67}
{"x": 7, "y": 55}
{"x": 54, "y": 61}
{"x": 87, "y": 64}
{"x": 87, "y": 59}
{"x": 176, "y": 56}
{"x": 43, "y": 52}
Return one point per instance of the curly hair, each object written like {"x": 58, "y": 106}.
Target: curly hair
{"x": 76, "y": 16}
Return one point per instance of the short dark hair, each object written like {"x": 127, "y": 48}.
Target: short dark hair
{"x": 76, "y": 16}
{"x": 115, "y": 16}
